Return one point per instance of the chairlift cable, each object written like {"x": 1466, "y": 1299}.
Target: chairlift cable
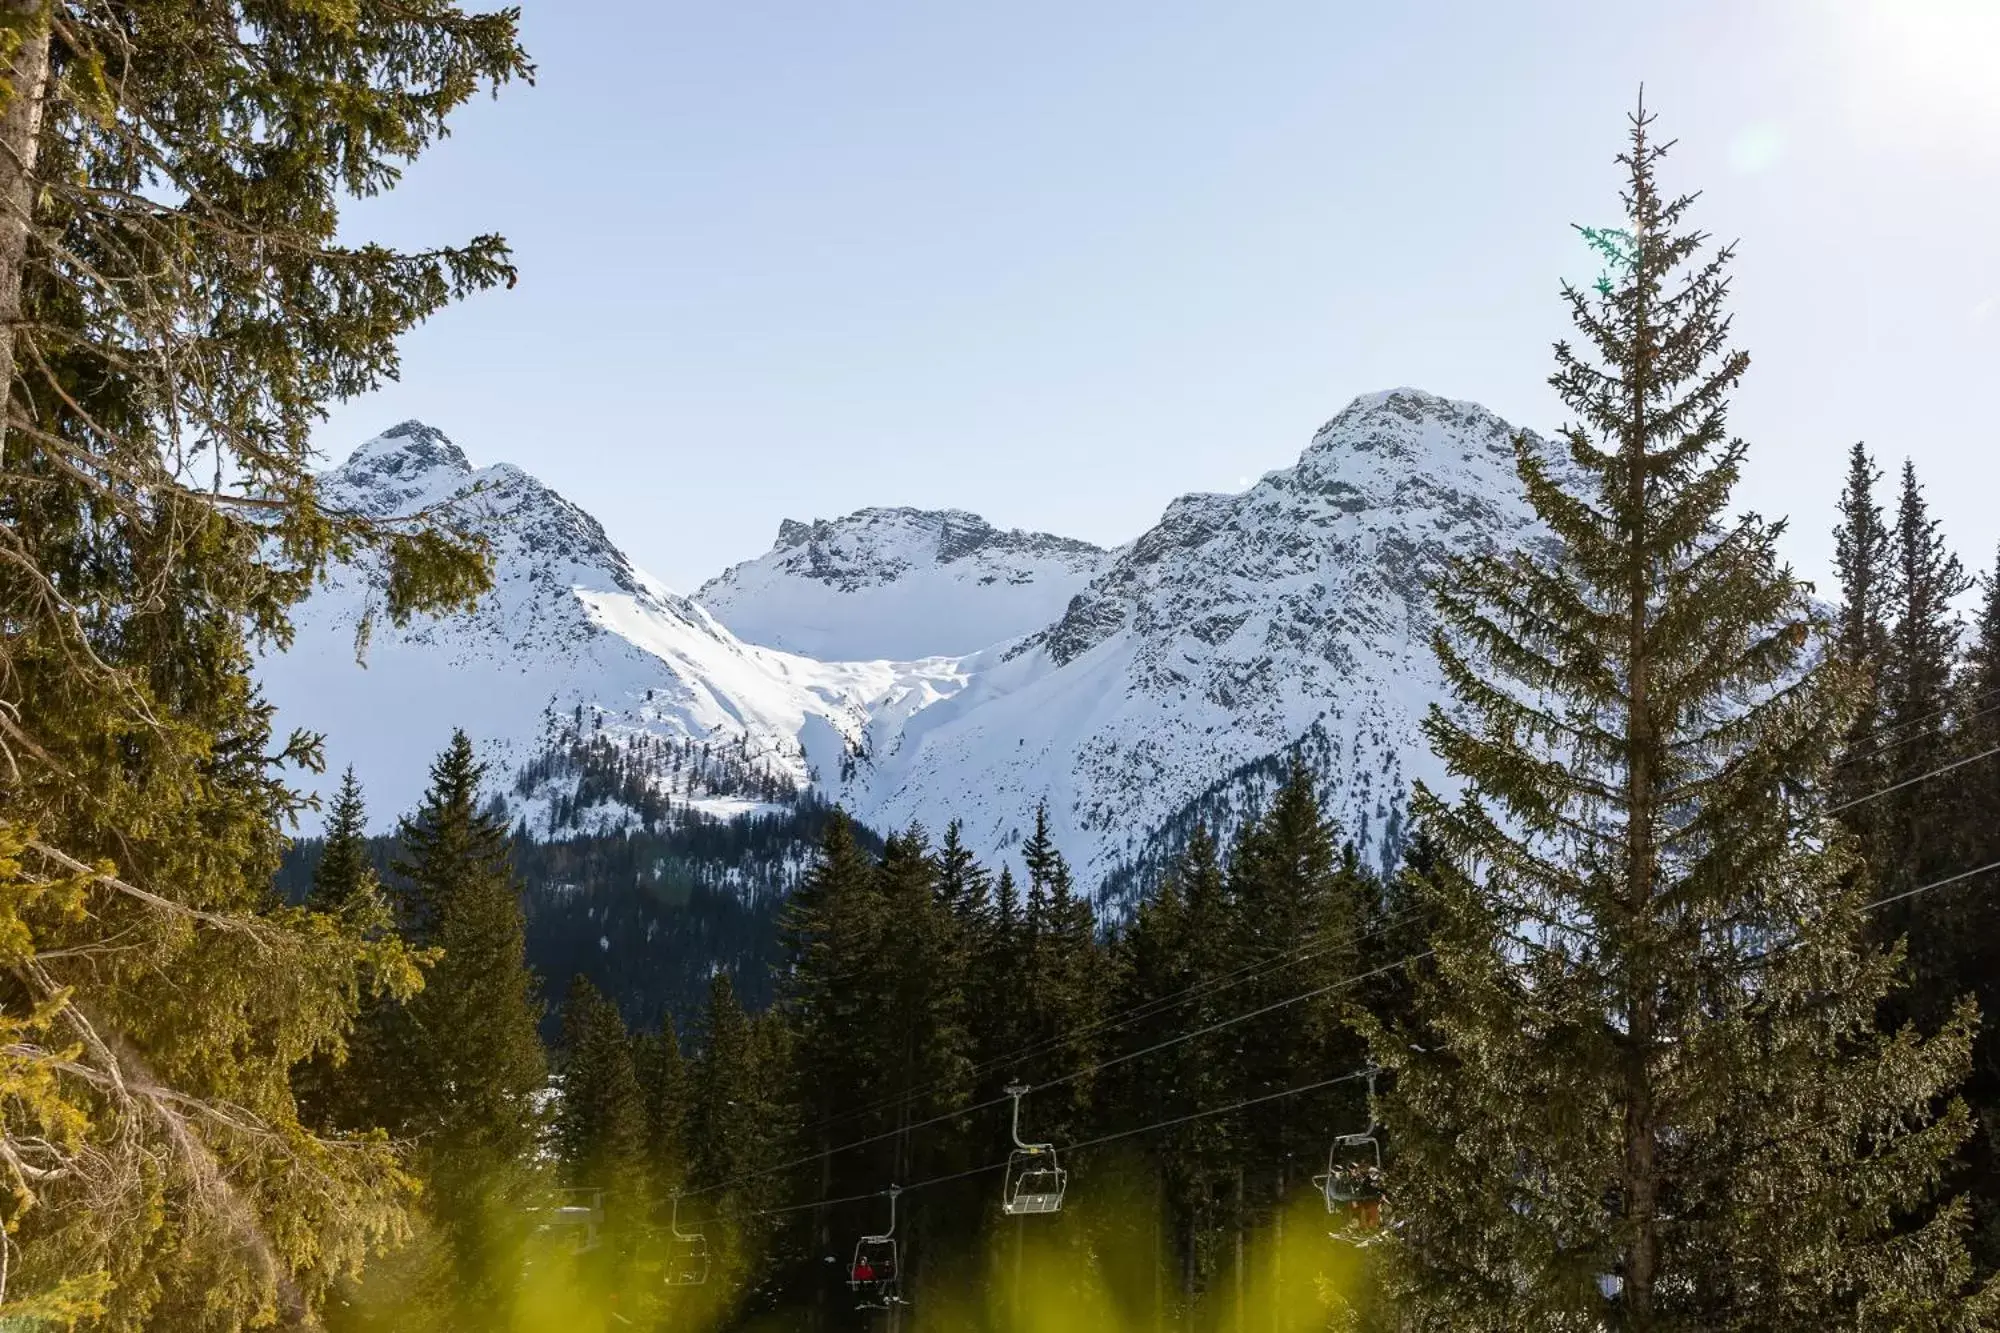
{"x": 1066, "y": 1078}
{"x": 1139, "y": 1012}
{"x": 1238, "y": 1018}
{"x": 1099, "y": 1141}
{"x": 1217, "y": 1110}
{"x": 1911, "y": 782}
{"x": 1926, "y": 888}
{"x": 1884, "y": 728}
{"x": 1922, "y": 735}
{"x": 1124, "y": 1018}
{"x": 1250, "y": 1101}
{"x": 1258, "y": 967}
{"x": 850, "y": 1146}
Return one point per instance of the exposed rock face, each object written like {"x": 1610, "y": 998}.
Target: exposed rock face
{"x": 900, "y": 583}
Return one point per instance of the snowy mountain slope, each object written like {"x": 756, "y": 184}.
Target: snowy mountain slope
{"x": 572, "y": 638}
{"x": 1235, "y": 629}
{"x": 1171, "y": 684}
{"x": 900, "y": 584}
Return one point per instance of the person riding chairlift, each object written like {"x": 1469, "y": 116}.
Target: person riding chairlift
{"x": 1367, "y": 1187}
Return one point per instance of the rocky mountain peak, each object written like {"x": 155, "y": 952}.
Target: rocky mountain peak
{"x": 899, "y": 583}
{"x": 412, "y": 467}
{"x": 876, "y": 544}
{"x": 407, "y": 449}
{"x": 1406, "y": 426}
{"x": 400, "y": 469}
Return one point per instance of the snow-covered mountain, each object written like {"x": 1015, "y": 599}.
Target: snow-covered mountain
{"x": 900, "y": 584}
{"x": 1134, "y": 690}
{"x": 573, "y": 646}
{"x": 1295, "y": 615}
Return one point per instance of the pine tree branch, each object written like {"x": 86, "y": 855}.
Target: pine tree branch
{"x": 262, "y": 934}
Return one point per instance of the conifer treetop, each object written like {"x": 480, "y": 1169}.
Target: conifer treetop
{"x": 1647, "y": 1030}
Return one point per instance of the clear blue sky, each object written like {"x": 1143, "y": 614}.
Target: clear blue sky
{"x": 1059, "y": 262}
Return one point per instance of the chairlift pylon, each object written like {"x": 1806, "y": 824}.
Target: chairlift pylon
{"x": 687, "y": 1252}
{"x": 1035, "y": 1178}
{"x": 1354, "y": 1185}
{"x": 876, "y": 1274}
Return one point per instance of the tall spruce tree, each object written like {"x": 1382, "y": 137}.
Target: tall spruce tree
{"x": 1925, "y": 578}
{"x": 601, "y": 1126}
{"x": 1644, "y": 1089}
{"x": 735, "y": 1116}
{"x": 835, "y": 945}
{"x": 1969, "y": 913}
{"x": 345, "y": 874}
{"x": 1980, "y": 684}
{"x": 339, "y": 1087}
{"x": 1300, "y": 906}
{"x": 1177, "y": 957}
{"x": 1911, "y": 819}
{"x": 467, "y": 1059}
{"x": 1978, "y": 731}
{"x": 830, "y": 994}
{"x": 663, "y": 1081}
{"x": 930, "y": 920}
{"x": 1861, "y": 560}
{"x": 925, "y": 1011}
{"x": 876, "y": 1007}
{"x": 1062, "y": 984}
{"x": 177, "y": 307}
{"x": 965, "y": 893}
{"x": 998, "y": 974}
{"x": 965, "y": 889}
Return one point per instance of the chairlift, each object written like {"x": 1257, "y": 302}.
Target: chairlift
{"x": 687, "y": 1252}
{"x": 1354, "y": 1183}
{"x": 1035, "y": 1179}
{"x": 576, "y": 1216}
{"x": 582, "y": 1209}
{"x": 876, "y": 1274}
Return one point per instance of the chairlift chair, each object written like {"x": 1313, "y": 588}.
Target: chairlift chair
{"x": 1353, "y": 1185}
{"x": 583, "y": 1210}
{"x": 1353, "y": 1172}
{"x": 1035, "y": 1178}
{"x": 567, "y": 1225}
{"x": 687, "y": 1252}
{"x": 876, "y": 1275}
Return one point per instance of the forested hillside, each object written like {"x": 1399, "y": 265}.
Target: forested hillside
{"x": 648, "y": 916}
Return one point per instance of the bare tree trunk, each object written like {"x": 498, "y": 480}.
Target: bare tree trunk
{"x": 1191, "y": 1237}
{"x": 20, "y": 139}
{"x": 1016, "y": 1317}
{"x": 1242, "y": 1214}
{"x": 822, "y": 1239}
{"x": 904, "y": 1169}
{"x": 1278, "y": 1253}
